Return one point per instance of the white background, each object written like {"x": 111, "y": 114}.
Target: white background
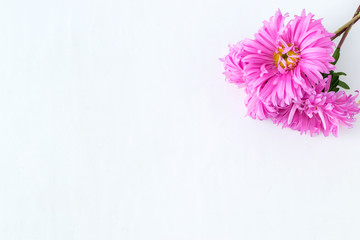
{"x": 116, "y": 123}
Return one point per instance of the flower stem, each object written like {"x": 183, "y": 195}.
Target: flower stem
{"x": 345, "y": 26}
{"x": 347, "y": 30}
{"x": 341, "y": 32}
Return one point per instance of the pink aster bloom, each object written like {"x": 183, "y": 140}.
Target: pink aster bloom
{"x": 234, "y": 67}
{"x": 285, "y": 61}
{"x": 322, "y": 112}
{"x": 257, "y": 109}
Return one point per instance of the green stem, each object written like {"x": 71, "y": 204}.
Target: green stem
{"x": 347, "y": 30}
{"x": 345, "y": 26}
{"x": 341, "y": 32}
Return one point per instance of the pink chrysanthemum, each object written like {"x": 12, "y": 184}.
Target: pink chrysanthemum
{"x": 282, "y": 71}
{"x": 234, "y": 67}
{"x": 257, "y": 109}
{"x": 323, "y": 112}
{"x": 285, "y": 61}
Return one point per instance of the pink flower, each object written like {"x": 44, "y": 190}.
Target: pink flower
{"x": 285, "y": 61}
{"x": 322, "y": 112}
{"x": 257, "y": 109}
{"x": 282, "y": 70}
{"x": 234, "y": 67}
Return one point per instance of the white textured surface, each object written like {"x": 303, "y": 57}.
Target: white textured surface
{"x": 116, "y": 123}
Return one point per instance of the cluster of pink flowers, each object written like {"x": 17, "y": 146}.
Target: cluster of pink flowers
{"x": 285, "y": 73}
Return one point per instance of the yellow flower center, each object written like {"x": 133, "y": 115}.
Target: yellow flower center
{"x": 287, "y": 58}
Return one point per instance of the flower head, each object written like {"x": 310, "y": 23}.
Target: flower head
{"x": 285, "y": 61}
{"x": 257, "y": 109}
{"x": 322, "y": 112}
{"x": 234, "y": 67}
